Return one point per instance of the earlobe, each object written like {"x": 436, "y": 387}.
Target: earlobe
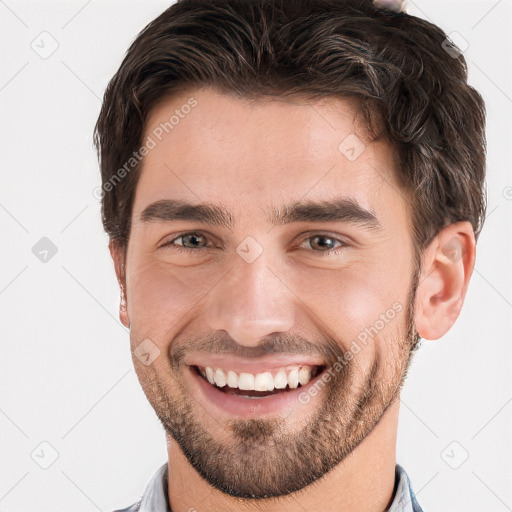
{"x": 117, "y": 252}
{"x": 444, "y": 279}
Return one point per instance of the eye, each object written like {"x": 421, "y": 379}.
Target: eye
{"x": 325, "y": 244}
{"x": 194, "y": 242}
{"x": 191, "y": 242}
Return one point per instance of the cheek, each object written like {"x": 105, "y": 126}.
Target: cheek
{"x": 357, "y": 305}
{"x": 160, "y": 295}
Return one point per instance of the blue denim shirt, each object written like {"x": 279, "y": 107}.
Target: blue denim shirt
{"x": 155, "y": 497}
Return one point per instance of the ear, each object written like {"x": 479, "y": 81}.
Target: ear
{"x": 118, "y": 253}
{"x": 444, "y": 278}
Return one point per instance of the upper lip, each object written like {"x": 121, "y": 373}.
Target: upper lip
{"x": 255, "y": 366}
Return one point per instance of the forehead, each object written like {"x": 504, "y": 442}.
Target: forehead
{"x": 211, "y": 147}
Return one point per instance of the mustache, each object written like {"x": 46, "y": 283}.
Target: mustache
{"x": 281, "y": 344}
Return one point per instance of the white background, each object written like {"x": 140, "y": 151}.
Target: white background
{"x": 66, "y": 374}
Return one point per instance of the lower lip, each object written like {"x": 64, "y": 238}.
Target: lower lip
{"x": 250, "y": 407}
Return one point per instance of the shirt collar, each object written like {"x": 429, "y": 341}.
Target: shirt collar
{"x": 404, "y": 500}
{"x": 155, "y": 497}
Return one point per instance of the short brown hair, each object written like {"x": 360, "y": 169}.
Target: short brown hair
{"x": 409, "y": 89}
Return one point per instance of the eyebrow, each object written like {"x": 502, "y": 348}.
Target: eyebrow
{"x": 341, "y": 209}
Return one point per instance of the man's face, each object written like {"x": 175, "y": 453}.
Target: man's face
{"x": 257, "y": 295}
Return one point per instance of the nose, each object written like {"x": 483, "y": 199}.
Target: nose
{"x": 251, "y": 302}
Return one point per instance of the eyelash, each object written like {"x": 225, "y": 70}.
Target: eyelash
{"x": 188, "y": 250}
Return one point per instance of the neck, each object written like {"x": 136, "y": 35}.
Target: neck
{"x": 363, "y": 482}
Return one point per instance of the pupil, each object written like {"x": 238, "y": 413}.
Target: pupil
{"x": 189, "y": 237}
{"x": 324, "y": 245}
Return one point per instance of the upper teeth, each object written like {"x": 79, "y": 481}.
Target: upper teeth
{"x": 259, "y": 382}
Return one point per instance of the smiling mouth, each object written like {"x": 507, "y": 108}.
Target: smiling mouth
{"x": 279, "y": 384}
